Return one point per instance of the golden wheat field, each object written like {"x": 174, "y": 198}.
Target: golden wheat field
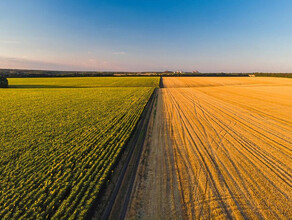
{"x": 217, "y": 148}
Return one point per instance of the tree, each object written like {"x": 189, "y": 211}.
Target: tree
{"x": 3, "y": 82}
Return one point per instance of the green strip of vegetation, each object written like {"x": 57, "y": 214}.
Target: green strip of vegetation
{"x": 286, "y": 75}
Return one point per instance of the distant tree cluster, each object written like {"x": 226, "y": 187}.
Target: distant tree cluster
{"x": 18, "y": 73}
{"x": 3, "y": 82}
{"x": 15, "y": 73}
{"x": 287, "y": 75}
{"x": 193, "y": 74}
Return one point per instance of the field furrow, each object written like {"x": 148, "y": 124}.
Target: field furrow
{"x": 215, "y": 145}
{"x": 60, "y": 144}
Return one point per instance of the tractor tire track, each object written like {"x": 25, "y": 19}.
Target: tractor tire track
{"x": 214, "y": 152}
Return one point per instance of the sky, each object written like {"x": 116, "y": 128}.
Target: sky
{"x": 140, "y": 35}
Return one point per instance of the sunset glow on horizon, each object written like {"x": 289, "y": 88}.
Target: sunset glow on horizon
{"x": 115, "y": 35}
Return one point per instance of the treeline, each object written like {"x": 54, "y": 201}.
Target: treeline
{"x": 287, "y": 75}
{"x": 15, "y": 73}
{"x": 206, "y": 74}
{"x": 3, "y": 82}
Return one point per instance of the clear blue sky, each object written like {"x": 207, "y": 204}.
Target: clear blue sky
{"x": 136, "y": 35}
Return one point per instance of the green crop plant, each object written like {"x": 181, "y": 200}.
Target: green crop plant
{"x": 59, "y": 145}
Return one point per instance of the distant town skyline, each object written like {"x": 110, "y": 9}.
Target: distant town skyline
{"x": 128, "y": 35}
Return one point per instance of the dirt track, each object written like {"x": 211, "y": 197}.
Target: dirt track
{"x": 220, "y": 148}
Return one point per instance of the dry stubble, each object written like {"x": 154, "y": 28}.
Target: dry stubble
{"x": 217, "y": 148}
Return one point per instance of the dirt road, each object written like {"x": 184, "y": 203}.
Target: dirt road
{"x": 217, "y": 148}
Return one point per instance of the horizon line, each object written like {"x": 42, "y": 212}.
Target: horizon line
{"x": 120, "y": 71}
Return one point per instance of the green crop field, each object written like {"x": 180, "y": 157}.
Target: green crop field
{"x": 78, "y": 82}
{"x": 58, "y": 145}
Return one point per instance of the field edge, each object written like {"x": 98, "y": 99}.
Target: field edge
{"x": 120, "y": 183}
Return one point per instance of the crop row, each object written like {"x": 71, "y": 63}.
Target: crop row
{"x": 60, "y": 145}
{"x": 84, "y": 82}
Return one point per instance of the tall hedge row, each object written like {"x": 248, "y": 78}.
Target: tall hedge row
{"x": 3, "y": 82}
